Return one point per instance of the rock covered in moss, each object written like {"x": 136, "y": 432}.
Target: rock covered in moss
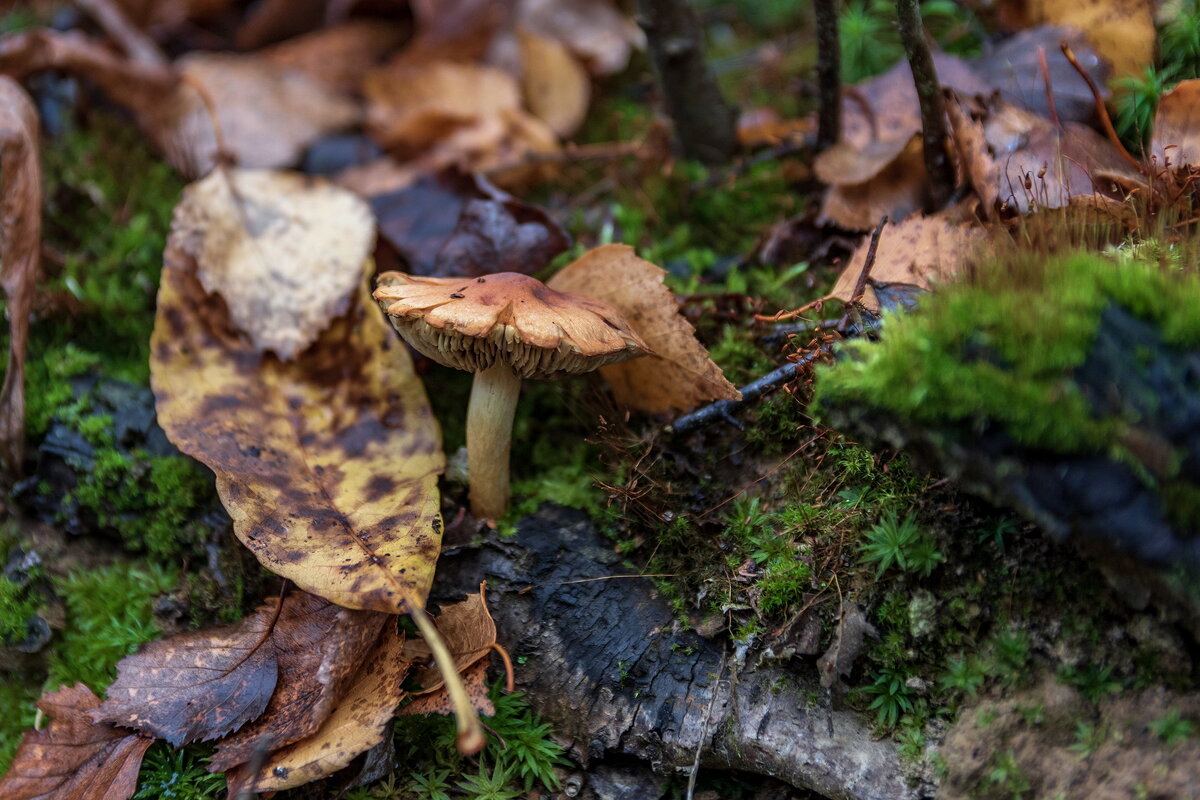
{"x": 1069, "y": 389}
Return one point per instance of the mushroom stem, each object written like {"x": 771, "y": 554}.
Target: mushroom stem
{"x": 489, "y": 438}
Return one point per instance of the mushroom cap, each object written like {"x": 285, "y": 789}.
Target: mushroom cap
{"x": 470, "y": 323}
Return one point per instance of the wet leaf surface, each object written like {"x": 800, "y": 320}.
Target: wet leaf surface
{"x": 74, "y": 758}
{"x": 678, "y": 374}
{"x": 358, "y": 722}
{"x": 1176, "y": 138}
{"x": 328, "y": 464}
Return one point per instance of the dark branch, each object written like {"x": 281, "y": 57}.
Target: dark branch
{"x": 829, "y": 74}
{"x": 934, "y": 132}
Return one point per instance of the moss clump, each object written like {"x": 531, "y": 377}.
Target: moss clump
{"x": 1001, "y": 350}
{"x": 16, "y": 716}
{"x": 17, "y": 605}
{"x": 110, "y": 611}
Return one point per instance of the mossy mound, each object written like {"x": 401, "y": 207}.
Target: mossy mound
{"x": 1067, "y": 387}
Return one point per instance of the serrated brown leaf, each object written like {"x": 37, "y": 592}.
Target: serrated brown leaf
{"x": 199, "y": 685}
{"x": 919, "y": 251}
{"x": 20, "y": 249}
{"x": 74, "y": 758}
{"x": 678, "y": 374}
{"x": 469, "y": 633}
{"x": 358, "y": 723}
{"x": 438, "y": 701}
{"x": 327, "y": 464}
{"x": 284, "y": 251}
{"x": 320, "y": 647}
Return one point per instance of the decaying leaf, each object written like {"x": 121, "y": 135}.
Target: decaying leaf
{"x": 1122, "y": 31}
{"x": 555, "y": 85}
{"x": 458, "y": 224}
{"x": 285, "y": 252}
{"x": 198, "y": 685}
{"x": 895, "y": 191}
{"x": 320, "y": 647}
{"x": 339, "y": 55}
{"x": 679, "y": 374}
{"x": 847, "y": 645}
{"x": 74, "y": 758}
{"x": 20, "y": 249}
{"x": 917, "y": 252}
{"x": 267, "y": 114}
{"x": 438, "y": 701}
{"x": 1175, "y": 143}
{"x": 469, "y": 633}
{"x": 328, "y": 464}
{"x": 358, "y": 723}
{"x": 595, "y": 30}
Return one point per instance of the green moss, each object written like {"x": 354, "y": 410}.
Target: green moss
{"x": 980, "y": 354}
{"x": 168, "y": 774}
{"x": 17, "y": 605}
{"x": 109, "y": 612}
{"x": 16, "y": 716}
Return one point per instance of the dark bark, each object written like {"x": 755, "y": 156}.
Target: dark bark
{"x": 601, "y": 661}
{"x": 934, "y": 132}
{"x": 829, "y": 74}
{"x": 704, "y": 123}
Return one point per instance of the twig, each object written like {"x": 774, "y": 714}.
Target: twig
{"x": 1050, "y": 106}
{"x": 934, "y": 135}
{"x": 704, "y": 123}
{"x": 136, "y": 44}
{"x": 1101, "y": 109}
{"x": 829, "y": 74}
{"x": 723, "y": 409}
{"x": 860, "y": 286}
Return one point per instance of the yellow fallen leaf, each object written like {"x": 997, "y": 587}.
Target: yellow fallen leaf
{"x": 328, "y": 464}
{"x": 678, "y": 374}
{"x": 1121, "y": 30}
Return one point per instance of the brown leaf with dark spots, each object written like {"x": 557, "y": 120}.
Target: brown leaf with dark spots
{"x": 469, "y": 633}
{"x": 320, "y": 647}
{"x": 678, "y": 374}
{"x": 74, "y": 758}
{"x": 198, "y": 685}
{"x": 459, "y": 224}
{"x": 358, "y": 723}
{"x": 328, "y": 464}
{"x": 20, "y": 247}
{"x": 438, "y": 701}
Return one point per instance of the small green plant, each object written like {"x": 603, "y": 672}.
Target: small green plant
{"x": 494, "y": 785}
{"x": 1172, "y": 729}
{"x": 892, "y": 697}
{"x": 176, "y": 775}
{"x": 912, "y": 740}
{"x": 1088, "y": 739}
{"x": 1137, "y": 99}
{"x": 998, "y": 532}
{"x": 1093, "y": 682}
{"x": 893, "y": 542}
{"x": 1007, "y": 776}
{"x": 434, "y": 785}
{"x": 17, "y": 605}
{"x": 964, "y": 674}
{"x": 523, "y": 742}
{"x": 871, "y": 43}
{"x": 1008, "y": 657}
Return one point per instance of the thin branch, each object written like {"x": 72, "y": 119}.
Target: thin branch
{"x": 1102, "y": 110}
{"x": 829, "y": 74}
{"x": 934, "y": 135}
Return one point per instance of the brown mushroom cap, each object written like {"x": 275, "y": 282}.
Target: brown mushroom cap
{"x": 470, "y": 323}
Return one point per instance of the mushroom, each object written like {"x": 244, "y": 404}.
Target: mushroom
{"x": 503, "y": 327}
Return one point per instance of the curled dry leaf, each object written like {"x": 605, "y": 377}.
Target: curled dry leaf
{"x": 327, "y": 464}
{"x": 267, "y": 114}
{"x": 595, "y": 30}
{"x": 459, "y": 224}
{"x": 1176, "y": 140}
{"x": 339, "y": 55}
{"x": 319, "y": 648}
{"x": 20, "y": 248}
{"x": 74, "y": 758}
{"x": 285, "y": 252}
{"x": 358, "y": 723}
{"x": 469, "y": 633}
{"x": 918, "y": 251}
{"x": 896, "y": 190}
{"x": 557, "y": 88}
{"x": 437, "y": 701}
{"x": 847, "y": 646}
{"x": 678, "y": 374}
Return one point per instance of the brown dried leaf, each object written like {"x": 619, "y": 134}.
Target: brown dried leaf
{"x": 1176, "y": 140}
{"x": 556, "y": 87}
{"x": 337, "y": 56}
{"x": 253, "y": 232}
{"x": 974, "y": 158}
{"x": 320, "y": 647}
{"x": 843, "y": 164}
{"x": 199, "y": 685}
{"x": 594, "y": 30}
{"x": 919, "y": 251}
{"x": 1121, "y": 30}
{"x": 469, "y": 633}
{"x": 438, "y": 701}
{"x": 679, "y": 374}
{"x": 456, "y": 29}
{"x": 847, "y": 645}
{"x": 896, "y": 191}
{"x": 20, "y": 248}
{"x": 74, "y": 758}
{"x": 358, "y": 723}
{"x": 328, "y": 464}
